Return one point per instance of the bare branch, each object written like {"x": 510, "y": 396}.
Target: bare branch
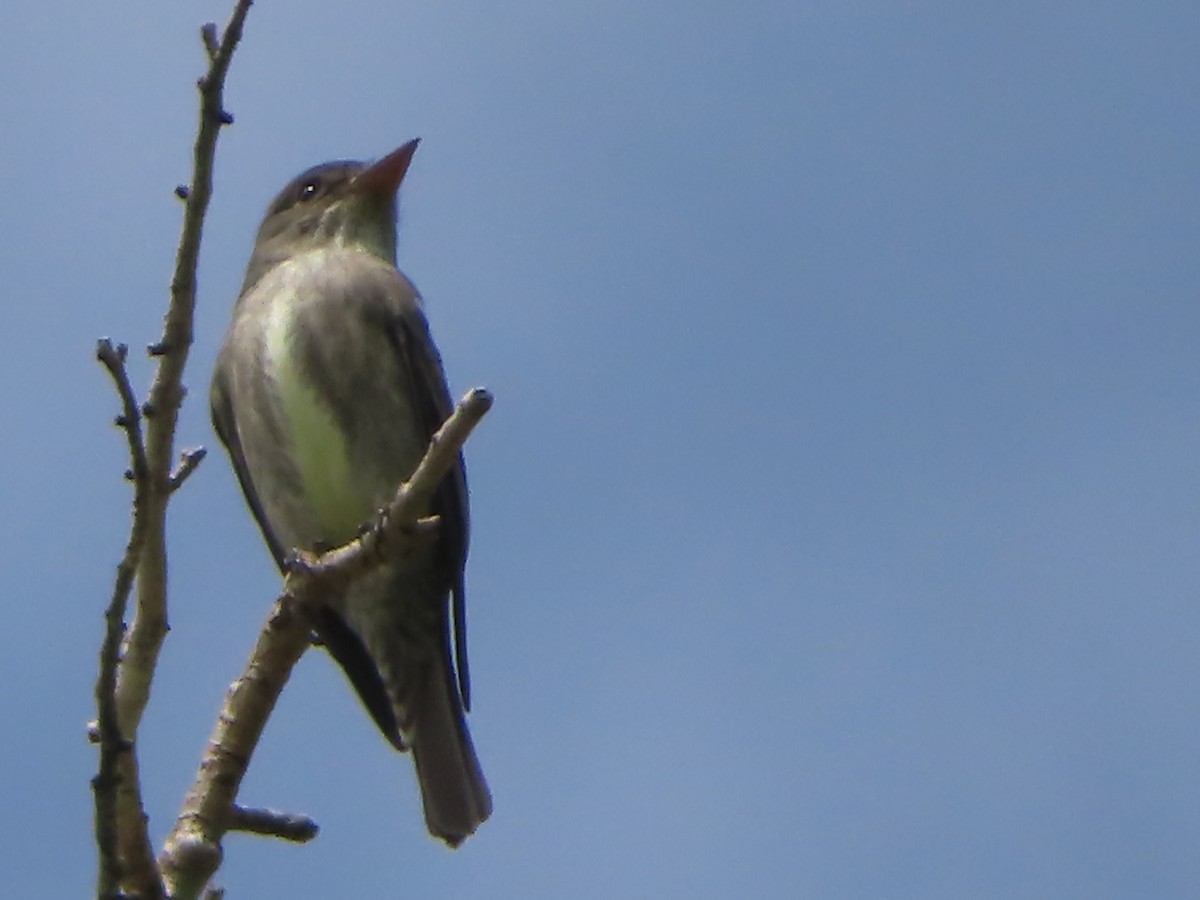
{"x": 188, "y": 462}
{"x": 124, "y": 846}
{"x": 104, "y": 784}
{"x": 144, "y": 638}
{"x": 293, "y": 827}
{"x": 192, "y": 852}
{"x": 130, "y": 420}
{"x": 128, "y": 655}
{"x": 208, "y": 34}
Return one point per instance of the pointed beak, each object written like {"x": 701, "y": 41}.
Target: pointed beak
{"x": 383, "y": 178}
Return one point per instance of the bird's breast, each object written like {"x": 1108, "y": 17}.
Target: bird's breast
{"x": 317, "y": 443}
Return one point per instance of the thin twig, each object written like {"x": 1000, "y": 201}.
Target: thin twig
{"x": 129, "y": 655}
{"x": 145, "y": 636}
{"x": 293, "y": 827}
{"x": 104, "y": 784}
{"x": 123, "y": 846}
{"x": 212, "y": 46}
{"x": 188, "y": 461}
{"x": 130, "y": 420}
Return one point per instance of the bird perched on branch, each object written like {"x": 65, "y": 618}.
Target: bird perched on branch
{"x": 326, "y": 392}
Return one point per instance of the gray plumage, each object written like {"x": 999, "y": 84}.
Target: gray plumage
{"x": 326, "y": 392}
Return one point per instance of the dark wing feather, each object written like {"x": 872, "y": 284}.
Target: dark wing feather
{"x": 226, "y": 428}
{"x": 414, "y": 346}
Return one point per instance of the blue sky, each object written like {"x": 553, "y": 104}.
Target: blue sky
{"x": 835, "y": 529}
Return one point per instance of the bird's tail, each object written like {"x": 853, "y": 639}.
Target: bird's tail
{"x": 453, "y": 790}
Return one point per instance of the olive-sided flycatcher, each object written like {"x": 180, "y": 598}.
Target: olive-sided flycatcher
{"x": 326, "y": 392}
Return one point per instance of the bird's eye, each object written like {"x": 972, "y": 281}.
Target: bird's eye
{"x": 309, "y": 190}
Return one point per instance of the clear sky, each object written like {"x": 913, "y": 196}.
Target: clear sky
{"x": 836, "y": 525}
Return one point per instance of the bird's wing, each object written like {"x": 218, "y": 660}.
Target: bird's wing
{"x": 421, "y": 366}
{"x": 226, "y": 427}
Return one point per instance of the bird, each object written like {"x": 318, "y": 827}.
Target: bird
{"x": 325, "y": 393}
